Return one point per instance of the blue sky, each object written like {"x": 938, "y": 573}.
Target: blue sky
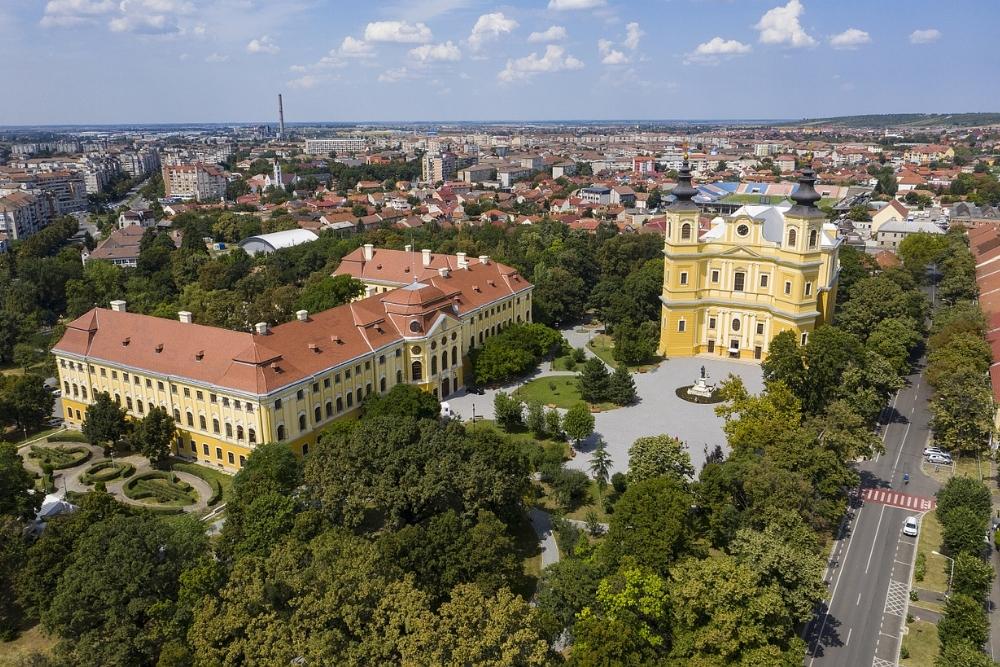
{"x": 143, "y": 61}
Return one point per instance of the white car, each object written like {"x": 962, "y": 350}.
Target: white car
{"x": 910, "y": 526}
{"x": 942, "y": 459}
{"x": 934, "y": 450}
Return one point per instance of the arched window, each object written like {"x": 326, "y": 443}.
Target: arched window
{"x": 83, "y": 392}
{"x": 686, "y": 231}
{"x": 190, "y": 419}
{"x": 239, "y": 432}
{"x": 215, "y": 425}
{"x": 444, "y": 359}
{"x": 329, "y": 408}
{"x": 128, "y": 402}
{"x": 381, "y": 386}
{"x": 302, "y": 423}
{"x": 434, "y": 365}
{"x": 281, "y": 431}
{"x": 251, "y": 435}
{"x": 202, "y": 423}
{"x": 736, "y": 324}
{"x": 229, "y": 430}
{"x": 399, "y": 377}
{"x": 792, "y": 234}
{"x": 305, "y": 448}
{"x": 416, "y": 371}
{"x": 454, "y": 350}
{"x": 812, "y": 238}
{"x": 340, "y": 404}
{"x": 177, "y": 415}
{"x": 350, "y": 399}
{"x": 317, "y": 414}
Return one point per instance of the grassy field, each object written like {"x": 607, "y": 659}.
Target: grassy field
{"x": 560, "y": 391}
{"x": 603, "y": 346}
{"x": 921, "y": 641}
{"x": 32, "y": 640}
{"x": 565, "y": 363}
{"x": 938, "y": 567}
{"x": 16, "y": 436}
{"x": 965, "y": 466}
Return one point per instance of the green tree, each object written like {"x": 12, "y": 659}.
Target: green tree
{"x": 723, "y": 613}
{"x": 875, "y": 299}
{"x": 962, "y": 411}
{"x": 659, "y": 455}
{"x": 102, "y": 625}
{"x": 553, "y": 423}
{"x": 571, "y": 488}
{"x": 652, "y": 523}
{"x": 635, "y": 345}
{"x": 919, "y": 251}
{"x": 325, "y": 292}
{"x": 105, "y": 421}
{"x": 962, "y": 530}
{"x": 964, "y": 621}
{"x": 600, "y": 465}
{"x": 621, "y": 387}
{"x": 961, "y": 491}
{"x": 973, "y": 576}
{"x": 578, "y": 422}
{"x": 153, "y": 435}
{"x": 16, "y": 485}
{"x": 964, "y": 653}
{"x": 403, "y": 400}
{"x": 28, "y": 401}
{"x": 894, "y": 339}
{"x": 594, "y": 381}
{"x": 565, "y": 588}
{"x": 508, "y": 410}
{"x": 784, "y": 360}
{"x": 13, "y": 554}
{"x": 536, "y": 418}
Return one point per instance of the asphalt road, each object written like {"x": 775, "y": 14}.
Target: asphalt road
{"x": 869, "y": 571}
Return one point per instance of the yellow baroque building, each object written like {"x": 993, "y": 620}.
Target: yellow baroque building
{"x": 231, "y": 390}
{"x": 730, "y": 286}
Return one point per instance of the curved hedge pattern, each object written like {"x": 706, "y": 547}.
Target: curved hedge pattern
{"x": 106, "y": 471}
{"x": 60, "y": 458}
{"x": 165, "y": 488}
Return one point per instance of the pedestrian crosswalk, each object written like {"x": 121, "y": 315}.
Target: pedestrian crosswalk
{"x": 897, "y": 499}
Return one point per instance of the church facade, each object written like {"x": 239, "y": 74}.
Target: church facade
{"x": 731, "y": 286}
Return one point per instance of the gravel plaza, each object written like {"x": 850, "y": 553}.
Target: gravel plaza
{"x": 658, "y": 411}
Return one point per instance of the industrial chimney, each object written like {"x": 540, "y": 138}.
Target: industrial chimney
{"x": 281, "y": 118}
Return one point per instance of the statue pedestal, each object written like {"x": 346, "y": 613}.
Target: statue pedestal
{"x": 701, "y": 388}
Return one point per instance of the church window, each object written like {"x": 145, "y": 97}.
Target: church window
{"x": 791, "y": 237}
{"x": 686, "y": 231}
{"x": 738, "y": 281}
{"x": 812, "y": 238}
{"x": 681, "y": 325}
{"x": 684, "y": 278}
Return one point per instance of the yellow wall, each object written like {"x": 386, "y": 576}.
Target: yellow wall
{"x": 791, "y": 286}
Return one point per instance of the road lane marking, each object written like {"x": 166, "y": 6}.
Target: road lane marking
{"x": 875, "y": 541}
{"x": 848, "y": 641}
{"x": 859, "y": 600}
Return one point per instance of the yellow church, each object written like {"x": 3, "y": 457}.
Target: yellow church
{"x": 732, "y": 285}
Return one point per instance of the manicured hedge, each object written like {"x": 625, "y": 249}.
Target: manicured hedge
{"x": 67, "y": 436}
{"x": 80, "y": 455}
{"x": 105, "y": 471}
{"x": 182, "y": 491}
{"x": 199, "y": 472}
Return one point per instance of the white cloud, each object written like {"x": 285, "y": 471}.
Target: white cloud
{"x": 610, "y": 55}
{"x": 851, "y": 38}
{"x": 355, "y": 48}
{"x": 397, "y": 31}
{"x": 62, "y": 13}
{"x": 565, "y": 5}
{"x": 490, "y": 26}
{"x": 925, "y": 36}
{"x": 555, "y": 33}
{"x": 216, "y": 58}
{"x": 305, "y": 82}
{"x": 554, "y": 59}
{"x": 150, "y": 17}
{"x": 262, "y": 45}
{"x": 393, "y": 75}
{"x": 436, "y": 52}
{"x": 781, "y": 26}
{"x": 713, "y": 50}
{"x": 632, "y": 35}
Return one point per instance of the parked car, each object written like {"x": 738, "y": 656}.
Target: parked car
{"x": 942, "y": 459}
{"x": 910, "y": 526}
{"x": 935, "y": 450}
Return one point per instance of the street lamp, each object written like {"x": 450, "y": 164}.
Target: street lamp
{"x": 950, "y": 576}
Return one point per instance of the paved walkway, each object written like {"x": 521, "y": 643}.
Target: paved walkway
{"x": 658, "y": 411}
{"x": 541, "y": 521}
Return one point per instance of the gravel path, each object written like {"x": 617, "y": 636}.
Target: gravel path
{"x": 542, "y": 523}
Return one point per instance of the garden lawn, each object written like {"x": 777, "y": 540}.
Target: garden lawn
{"x": 921, "y": 641}
{"x": 603, "y": 346}
{"x": 561, "y": 391}
{"x": 207, "y": 474}
{"x": 938, "y": 567}
{"x": 966, "y": 466}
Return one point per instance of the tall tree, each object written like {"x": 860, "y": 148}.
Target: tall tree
{"x": 17, "y": 499}
{"x": 594, "y": 380}
{"x": 600, "y": 465}
{"x": 153, "y": 435}
{"x": 621, "y": 387}
{"x": 578, "y": 422}
{"x": 659, "y": 455}
{"x": 105, "y": 421}
{"x": 653, "y": 524}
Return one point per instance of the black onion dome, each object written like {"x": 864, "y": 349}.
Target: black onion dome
{"x": 684, "y": 191}
{"x": 805, "y": 194}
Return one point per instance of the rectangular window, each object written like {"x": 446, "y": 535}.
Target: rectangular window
{"x": 763, "y": 279}
{"x": 159, "y": 386}
{"x": 715, "y": 275}
{"x": 809, "y": 289}
{"x": 711, "y": 323}
{"x": 213, "y": 398}
{"x": 204, "y": 448}
{"x": 681, "y": 325}
{"x": 368, "y": 365}
{"x": 381, "y": 360}
{"x": 300, "y": 394}
{"x": 114, "y": 375}
{"x": 218, "y": 453}
{"x": 399, "y": 352}
{"x": 760, "y": 328}
{"x": 149, "y": 383}
{"x": 104, "y": 372}
{"x": 125, "y": 377}
{"x": 201, "y": 396}
{"x": 684, "y": 278}
{"x": 357, "y": 369}
{"x": 738, "y": 281}
{"x": 231, "y": 459}
{"x": 805, "y": 338}
{"x": 788, "y": 287}
{"x": 336, "y": 378}
{"x": 326, "y": 383}
{"x": 347, "y": 373}
{"x": 277, "y": 404}
{"x": 135, "y": 379}
{"x": 225, "y": 402}
{"x": 315, "y": 387}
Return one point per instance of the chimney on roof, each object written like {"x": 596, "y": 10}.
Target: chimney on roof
{"x": 427, "y": 257}
{"x": 118, "y": 306}
{"x": 369, "y": 251}
{"x": 444, "y": 271}
{"x": 463, "y": 262}
{"x": 484, "y": 259}
{"x": 370, "y": 290}
{"x": 262, "y": 328}
{"x": 185, "y": 316}
{"x": 302, "y": 315}
{"x": 408, "y": 248}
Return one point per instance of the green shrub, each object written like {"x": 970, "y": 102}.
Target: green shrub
{"x": 146, "y": 486}
{"x": 106, "y": 471}
{"x": 67, "y": 436}
{"x": 199, "y": 472}
{"x": 920, "y": 567}
{"x": 59, "y": 458}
